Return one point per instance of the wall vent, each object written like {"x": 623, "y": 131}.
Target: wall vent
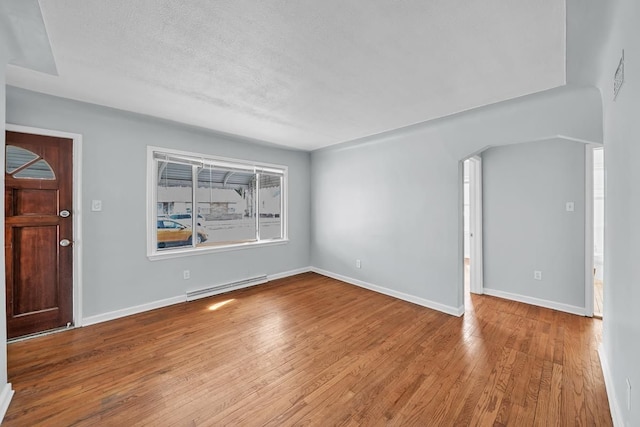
{"x": 214, "y": 290}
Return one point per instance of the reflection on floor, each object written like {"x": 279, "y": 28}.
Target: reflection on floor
{"x": 597, "y": 297}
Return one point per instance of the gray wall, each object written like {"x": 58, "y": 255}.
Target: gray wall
{"x": 394, "y": 201}
{"x": 588, "y": 23}
{"x": 621, "y": 313}
{"x": 116, "y": 271}
{"x": 525, "y": 223}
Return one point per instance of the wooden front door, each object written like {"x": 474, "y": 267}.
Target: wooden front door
{"x": 38, "y": 233}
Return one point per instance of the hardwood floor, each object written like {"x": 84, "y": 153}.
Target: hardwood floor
{"x": 309, "y": 350}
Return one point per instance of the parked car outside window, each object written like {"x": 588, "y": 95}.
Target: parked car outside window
{"x": 172, "y": 233}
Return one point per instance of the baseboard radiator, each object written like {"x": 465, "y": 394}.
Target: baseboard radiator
{"x": 206, "y": 292}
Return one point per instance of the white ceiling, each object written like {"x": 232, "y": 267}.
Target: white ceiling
{"x": 303, "y": 74}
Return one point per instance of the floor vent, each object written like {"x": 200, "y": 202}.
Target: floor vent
{"x": 202, "y": 293}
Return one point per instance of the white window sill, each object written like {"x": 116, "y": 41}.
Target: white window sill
{"x": 180, "y": 253}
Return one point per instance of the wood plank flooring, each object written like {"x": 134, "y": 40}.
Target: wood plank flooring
{"x": 309, "y": 350}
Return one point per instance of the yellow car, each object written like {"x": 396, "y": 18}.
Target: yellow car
{"x": 172, "y": 233}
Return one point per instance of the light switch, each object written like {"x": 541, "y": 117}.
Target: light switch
{"x": 96, "y": 205}
{"x": 570, "y": 206}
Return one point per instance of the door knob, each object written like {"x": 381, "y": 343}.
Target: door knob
{"x": 65, "y": 242}
{"x": 64, "y": 213}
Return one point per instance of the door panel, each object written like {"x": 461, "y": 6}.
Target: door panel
{"x": 39, "y": 271}
{"x": 35, "y": 202}
{"x": 31, "y": 291}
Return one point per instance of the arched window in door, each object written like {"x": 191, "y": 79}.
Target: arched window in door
{"x": 24, "y": 164}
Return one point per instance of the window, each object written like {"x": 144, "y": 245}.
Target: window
{"x": 230, "y": 203}
{"x": 24, "y": 164}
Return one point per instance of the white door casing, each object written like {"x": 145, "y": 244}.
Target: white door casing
{"x": 475, "y": 225}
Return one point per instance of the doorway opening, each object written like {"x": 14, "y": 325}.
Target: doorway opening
{"x": 598, "y": 230}
{"x": 467, "y": 232}
{"x": 472, "y": 225}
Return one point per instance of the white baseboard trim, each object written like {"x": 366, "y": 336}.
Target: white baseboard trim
{"x": 104, "y": 317}
{"x": 616, "y": 415}
{"x": 454, "y": 311}
{"x": 282, "y": 275}
{"x": 536, "y": 301}
{"x": 116, "y": 314}
{"x": 5, "y": 399}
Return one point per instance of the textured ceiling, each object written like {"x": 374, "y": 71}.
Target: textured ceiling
{"x": 304, "y": 74}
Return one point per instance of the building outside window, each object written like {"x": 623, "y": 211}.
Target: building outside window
{"x": 230, "y": 203}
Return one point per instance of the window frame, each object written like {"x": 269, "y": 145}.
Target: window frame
{"x": 152, "y": 215}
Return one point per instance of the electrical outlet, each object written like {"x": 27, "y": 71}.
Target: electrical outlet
{"x": 186, "y": 275}
{"x": 537, "y": 275}
{"x": 96, "y": 205}
{"x": 358, "y": 264}
{"x": 628, "y": 395}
